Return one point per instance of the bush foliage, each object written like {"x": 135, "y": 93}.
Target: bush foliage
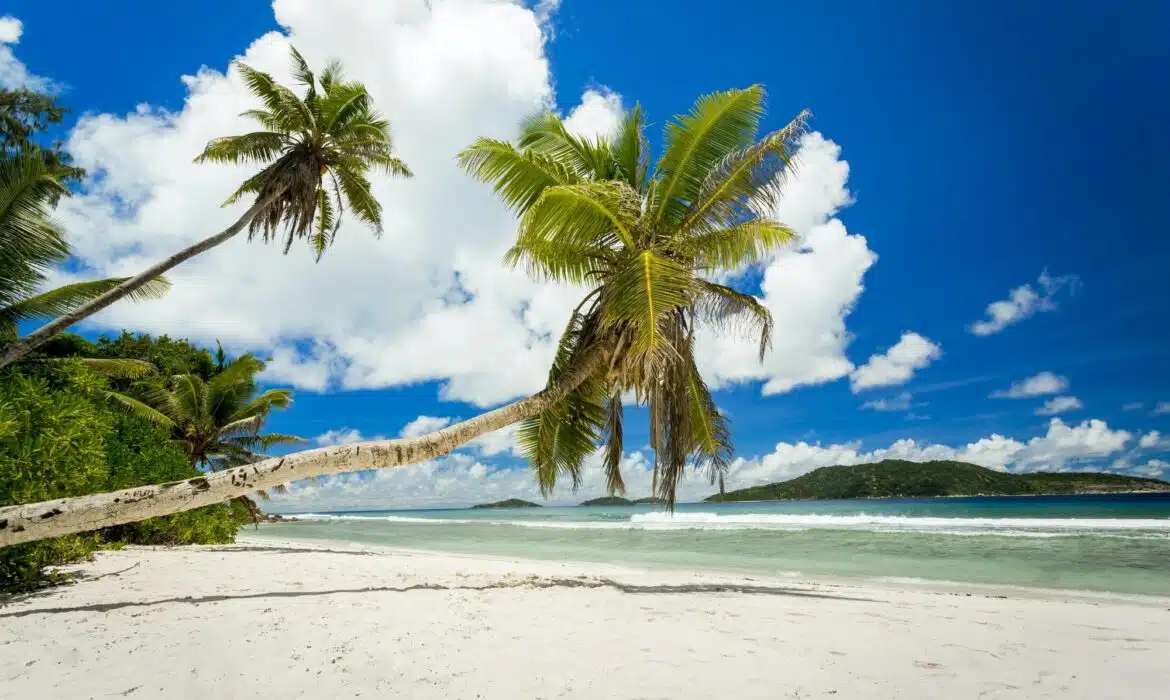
{"x": 61, "y": 437}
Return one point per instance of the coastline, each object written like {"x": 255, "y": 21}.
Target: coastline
{"x": 269, "y": 618}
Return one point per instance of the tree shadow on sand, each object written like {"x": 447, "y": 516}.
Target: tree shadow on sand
{"x": 535, "y": 584}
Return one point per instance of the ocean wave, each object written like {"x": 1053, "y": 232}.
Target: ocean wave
{"x": 657, "y": 521}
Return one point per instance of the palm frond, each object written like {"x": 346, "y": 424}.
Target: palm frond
{"x": 358, "y": 195}
{"x": 643, "y": 290}
{"x": 118, "y": 368}
{"x": 545, "y": 133}
{"x": 729, "y": 310}
{"x": 518, "y": 178}
{"x": 601, "y": 214}
{"x": 30, "y": 241}
{"x": 720, "y": 123}
{"x": 256, "y": 147}
{"x": 631, "y": 152}
{"x": 62, "y": 300}
{"x": 612, "y": 438}
{"x": 739, "y": 245}
{"x": 557, "y": 441}
{"x": 139, "y": 409}
{"x": 747, "y": 182}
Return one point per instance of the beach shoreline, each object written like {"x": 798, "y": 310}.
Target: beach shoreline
{"x": 274, "y": 619}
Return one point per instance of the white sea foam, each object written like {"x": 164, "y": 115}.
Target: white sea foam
{"x": 657, "y": 521}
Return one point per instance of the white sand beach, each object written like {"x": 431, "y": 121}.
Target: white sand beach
{"x": 259, "y": 620}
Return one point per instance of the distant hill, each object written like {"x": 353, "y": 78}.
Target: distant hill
{"x": 619, "y": 501}
{"x": 893, "y": 478}
{"x": 510, "y": 503}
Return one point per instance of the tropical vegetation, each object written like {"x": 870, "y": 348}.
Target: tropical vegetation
{"x": 645, "y": 243}
{"x": 893, "y": 478}
{"x": 60, "y": 436}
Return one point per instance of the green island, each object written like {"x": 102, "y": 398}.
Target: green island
{"x": 619, "y": 501}
{"x": 509, "y": 503}
{"x": 893, "y": 478}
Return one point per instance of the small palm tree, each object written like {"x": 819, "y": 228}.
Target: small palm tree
{"x": 217, "y": 422}
{"x": 647, "y": 243}
{"x": 316, "y": 150}
{"x": 31, "y": 243}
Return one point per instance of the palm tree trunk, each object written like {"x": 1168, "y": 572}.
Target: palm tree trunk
{"x": 66, "y": 516}
{"x": 18, "y": 348}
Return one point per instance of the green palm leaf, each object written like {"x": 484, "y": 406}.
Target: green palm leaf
{"x": 518, "y": 178}
{"x": 696, "y": 143}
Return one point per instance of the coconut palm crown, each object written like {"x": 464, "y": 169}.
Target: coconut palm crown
{"x": 317, "y": 151}
{"x": 646, "y": 242}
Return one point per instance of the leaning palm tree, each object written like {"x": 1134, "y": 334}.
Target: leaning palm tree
{"x": 31, "y": 243}
{"x": 316, "y": 150}
{"x": 645, "y": 243}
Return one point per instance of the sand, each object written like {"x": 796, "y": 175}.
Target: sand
{"x": 259, "y": 620}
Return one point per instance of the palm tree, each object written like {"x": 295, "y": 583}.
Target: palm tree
{"x": 644, "y": 241}
{"x": 31, "y": 243}
{"x": 217, "y": 422}
{"x": 592, "y": 213}
{"x": 316, "y": 152}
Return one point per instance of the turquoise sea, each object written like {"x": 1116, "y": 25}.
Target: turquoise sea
{"x": 1115, "y": 543}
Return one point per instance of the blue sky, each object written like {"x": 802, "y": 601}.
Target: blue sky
{"x": 986, "y": 144}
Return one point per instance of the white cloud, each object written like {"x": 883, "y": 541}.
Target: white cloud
{"x": 599, "y": 114}
{"x": 500, "y": 442}
{"x": 1038, "y": 385}
{"x": 1162, "y": 408}
{"x": 1135, "y": 406}
{"x": 340, "y": 436}
{"x": 824, "y": 270}
{"x": 430, "y": 300}
{"x": 901, "y": 402}
{"x": 1059, "y": 404}
{"x": 897, "y": 365}
{"x": 1023, "y": 302}
{"x": 1154, "y": 440}
{"x": 463, "y": 478}
{"x": 13, "y": 73}
{"x": 423, "y": 425}
{"x": 1154, "y": 468}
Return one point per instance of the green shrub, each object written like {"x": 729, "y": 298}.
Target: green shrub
{"x": 59, "y": 437}
{"x": 137, "y": 454}
{"x": 51, "y": 446}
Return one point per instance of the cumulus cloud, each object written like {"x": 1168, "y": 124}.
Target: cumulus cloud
{"x": 824, "y": 270}
{"x": 1038, "y": 385}
{"x": 430, "y": 300}
{"x": 897, "y": 365}
{"x": 1154, "y": 440}
{"x": 1154, "y": 468}
{"x": 465, "y": 477}
{"x": 901, "y": 402}
{"x": 13, "y": 73}
{"x": 1058, "y": 405}
{"x": 1024, "y": 302}
{"x": 423, "y": 425}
